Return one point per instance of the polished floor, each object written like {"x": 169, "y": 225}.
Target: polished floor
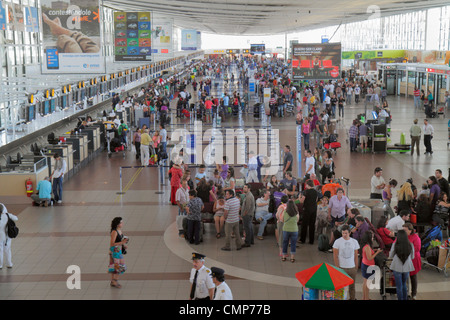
{"x": 76, "y": 233}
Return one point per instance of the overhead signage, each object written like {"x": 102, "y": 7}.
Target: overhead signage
{"x": 233, "y": 51}
{"x": 316, "y": 61}
{"x": 132, "y": 36}
{"x": 72, "y": 38}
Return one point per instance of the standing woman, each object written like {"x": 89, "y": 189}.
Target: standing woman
{"x": 417, "y": 261}
{"x": 116, "y": 245}
{"x": 368, "y": 259}
{"x": 137, "y": 142}
{"x": 387, "y": 195}
{"x": 230, "y": 181}
{"x": 402, "y": 253}
{"x": 5, "y": 241}
{"x": 290, "y": 229}
{"x": 306, "y": 130}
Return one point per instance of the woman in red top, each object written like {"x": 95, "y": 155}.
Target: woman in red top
{"x": 175, "y": 181}
{"x": 417, "y": 262}
{"x": 385, "y": 234}
{"x": 368, "y": 259}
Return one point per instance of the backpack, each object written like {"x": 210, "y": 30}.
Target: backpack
{"x": 324, "y": 242}
{"x": 432, "y": 256}
{"x": 11, "y": 229}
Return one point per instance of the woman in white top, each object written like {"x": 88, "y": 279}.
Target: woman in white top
{"x": 5, "y": 241}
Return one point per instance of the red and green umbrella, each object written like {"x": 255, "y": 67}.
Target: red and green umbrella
{"x": 324, "y": 277}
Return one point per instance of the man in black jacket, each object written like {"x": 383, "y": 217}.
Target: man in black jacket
{"x": 309, "y": 198}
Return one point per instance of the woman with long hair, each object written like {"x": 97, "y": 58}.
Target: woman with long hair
{"x": 402, "y": 253}
{"x": 405, "y": 197}
{"x": 117, "y": 247}
{"x": 368, "y": 259}
{"x": 386, "y": 235}
{"x": 290, "y": 229}
{"x": 414, "y": 238}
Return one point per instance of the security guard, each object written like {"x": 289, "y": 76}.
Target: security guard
{"x": 222, "y": 291}
{"x": 202, "y": 286}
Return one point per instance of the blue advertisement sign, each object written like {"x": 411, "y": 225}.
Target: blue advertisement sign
{"x": 31, "y": 19}
{"x": 2, "y": 16}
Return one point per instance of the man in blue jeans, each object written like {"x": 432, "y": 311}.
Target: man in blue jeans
{"x": 60, "y": 167}
{"x": 262, "y": 213}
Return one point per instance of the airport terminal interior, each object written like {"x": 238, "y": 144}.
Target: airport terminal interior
{"x": 72, "y": 70}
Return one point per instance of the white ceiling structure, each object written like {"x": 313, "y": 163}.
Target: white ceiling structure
{"x": 265, "y": 17}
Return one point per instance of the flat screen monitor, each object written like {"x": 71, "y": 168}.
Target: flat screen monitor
{"x": 258, "y": 48}
{"x": 64, "y": 101}
{"x": 46, "y": 107}
{"x": 31, "y": 113}
{"x": 82, "y": 94}
{"x": 52, "y": 105}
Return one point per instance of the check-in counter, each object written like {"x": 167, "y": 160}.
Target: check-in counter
{"x": 80, "y": 147}
{"x": 93, "y": 137}
{"x": 13, "y": 179}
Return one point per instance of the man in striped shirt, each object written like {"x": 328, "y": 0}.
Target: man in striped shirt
{"x": 231, "y": 215}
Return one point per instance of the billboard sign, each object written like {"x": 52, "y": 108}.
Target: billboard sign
{"x": 2, "y": 16}
{"x": 72, "y": 38}
{"x": 189, "y": 39}
{"x": 257, "y": 48}
{"x": 316, "y": 61}
{"x": 162, "y": 36}
{"x": 132, "y": 36}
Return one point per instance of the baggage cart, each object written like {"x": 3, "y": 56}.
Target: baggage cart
{"x": 443, "y": 261}
{"x": 387, "y": 281}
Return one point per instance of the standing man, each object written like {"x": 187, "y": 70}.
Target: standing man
{"x": 252, "y": 166}
{"x": 222, "y": 290}
{"x": 202, "y": 286}
{"x": 58, "y": 176}
{"x": 416, "y": 98}
{"x": 428, "y": 131}
{"x": 182, "y": 199}
{"x": 363, "y": 140}
{"x": 247, "y": 211}
{"x": 345, "y": 255}
{"x": 145, "y": 151}
{"x": 415, "y": 132}
{"x": 287, "y": 161}
{"x": 194, "y": 217}
{"x": 310, "y": 163}
{"x": 309, "y": 199}
{"x": 231, "y": 215}
{"x": 163, "y": 134}
{"x": 377, "y": 184}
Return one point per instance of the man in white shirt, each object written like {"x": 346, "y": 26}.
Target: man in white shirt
{"x": 428, "y": 131}
{"x": 222, "y": 290}
{"x": 141, "y": 93}
{"x": 377, "y": 184}
{"x": 252, "y": 168}
{"x": 357, "y": 93}
{"x": 60, "y": 167}
{"x": 202, "y": 286}
{"x": 396, "y": 223}
{"x": 345, "y": 255}
{"x": 309, "y": 163}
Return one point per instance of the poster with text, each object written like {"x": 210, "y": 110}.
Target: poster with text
{"x": 188, "y": 39}
{"x": 2, "y": 16}
{"x": 16, "y": 17}
{"x": 31, "y": 19}
{"x": 313, "y": 61}
{"x": 72, "y": 37}
{"x": 162, "y": 36}
{"x": 132, "y": 36}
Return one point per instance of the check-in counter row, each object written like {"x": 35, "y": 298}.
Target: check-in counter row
{"x": 77, "y": 150}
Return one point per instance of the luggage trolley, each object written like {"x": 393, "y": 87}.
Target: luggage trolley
{"x": 110, "y": 133}
{"x": 387, "y": 281}
{"x": 440, "y": 266}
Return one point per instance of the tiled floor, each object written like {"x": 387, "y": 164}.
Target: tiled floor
{"x": 77, "y": 232}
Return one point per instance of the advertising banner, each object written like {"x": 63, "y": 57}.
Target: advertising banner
{"x": 188, "y": 39}
{"x": 2, "y": 16}
{"x": 257, "y": 48}
{"x": 71, "y": 37}
{"x": 16, "y": 17}
{"x": 313, "y": 61}
{"x": 162, "y": 36}
{"x": 199, "y": 40}
{"x": 132, "y": 36}
{"x": 31, "y": 19}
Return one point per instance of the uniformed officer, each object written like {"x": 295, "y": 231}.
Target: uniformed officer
{"x": 222, "y": 290}
{"x": 202, "y": 286}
